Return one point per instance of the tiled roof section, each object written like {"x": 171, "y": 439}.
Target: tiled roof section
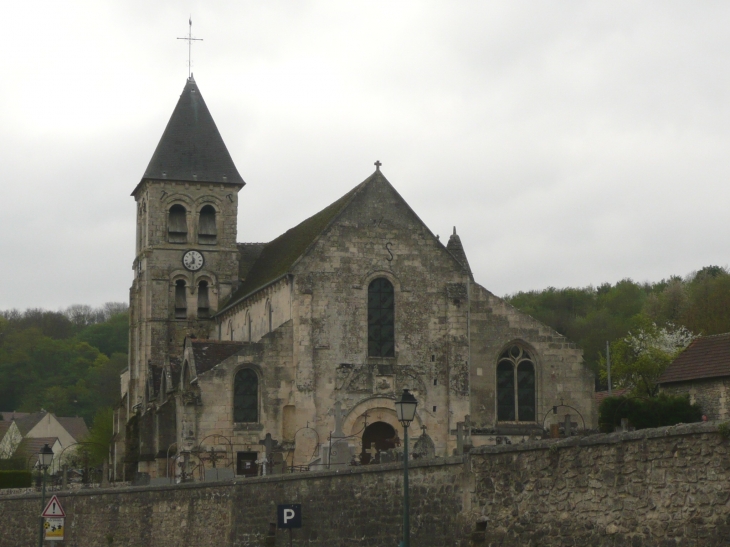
{"x": 706, "y": 357}
{"x": 76, "y": 427}
{"x": 10, "y": 416}
{"x": 601, "y": 395}
{"x": 4, "y": 426}
{"x": 248, "y": 254}
{"x": 30, "y": 446}
{"x": 455, "y": 247}
{"x": 278, "y": 257}
{"x": 208, "y": 353}
{"x": 191, "y": 148}
{"x": 28, "y": 422}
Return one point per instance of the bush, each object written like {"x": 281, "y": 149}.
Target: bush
{"x": 13, "y": 464}
{"x": 643, "y": 413}
{"x": 15, "y": 479}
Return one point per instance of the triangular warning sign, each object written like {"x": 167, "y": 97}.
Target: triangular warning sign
{"x": 53, "y": 509}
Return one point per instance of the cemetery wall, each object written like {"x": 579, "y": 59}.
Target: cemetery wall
{"x": 662, "y": 487}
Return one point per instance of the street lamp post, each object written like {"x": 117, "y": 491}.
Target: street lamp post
{"x": 45, "y": 457}
{"x": 405, "y": 409}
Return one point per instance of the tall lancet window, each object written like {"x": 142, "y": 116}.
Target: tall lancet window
{"x": 516, "y": 386}
{"x": 246, "y": 396}
{"x": 207, "y": 230}
{"x": 177, "y": 224}
{"x": 381, "y": 321}
{"x": 203, "y": 300}
{"x": 181, "y": 300}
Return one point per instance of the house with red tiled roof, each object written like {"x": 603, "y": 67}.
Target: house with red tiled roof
{"x": 702, "y": 371}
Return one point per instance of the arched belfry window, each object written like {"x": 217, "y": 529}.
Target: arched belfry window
{"x": 246, "y": 396}
{"x": 203, "y": 300}
{"x": 516, "y": 386}
{"x": 177, "y": 224}
{"x": 381, "y": 320}
{"x": 181, "y": 300}
{"x": 207, "y": 230}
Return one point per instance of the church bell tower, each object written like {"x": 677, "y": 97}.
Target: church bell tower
{"x": 186, "y": 259}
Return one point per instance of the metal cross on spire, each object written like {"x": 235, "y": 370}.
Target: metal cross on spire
{"x": 190, "y": 40}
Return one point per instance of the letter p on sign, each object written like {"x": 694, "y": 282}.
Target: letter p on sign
{"x": 289, "y": 516}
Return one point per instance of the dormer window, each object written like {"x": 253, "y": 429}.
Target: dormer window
{"x": 177, "y": 225}
{"x": 207, "y": 229}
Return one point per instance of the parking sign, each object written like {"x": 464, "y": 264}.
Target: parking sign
{"x": 290, "y": 515}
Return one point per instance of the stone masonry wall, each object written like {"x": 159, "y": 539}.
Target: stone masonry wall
{"x": 712, "y": 394}
{"x": 652, "y": 488}
{"x": 660, "y": 487}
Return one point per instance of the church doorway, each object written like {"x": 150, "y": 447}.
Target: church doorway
{"x": 377, "y": 438}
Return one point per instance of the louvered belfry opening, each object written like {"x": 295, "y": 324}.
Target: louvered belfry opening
{"x": 381, "y": 321}
{"x": 181, "y": 301}
{"x": 203, "y": 300}
{"x": 516, "y": 386}
{"x": 207, "y": 229}
{"x": 177, "y": 224}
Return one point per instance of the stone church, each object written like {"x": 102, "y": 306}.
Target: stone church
{"x": 290, "y": 354}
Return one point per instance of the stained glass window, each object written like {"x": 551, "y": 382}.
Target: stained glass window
{"x": 246, "y": 396}
{"x": 381, "y": 330}
{"x": 516, "y": 386}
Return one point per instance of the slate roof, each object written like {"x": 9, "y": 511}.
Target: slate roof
{"x": 31, "y": 446}
{"x": 248, "y": 254}
{"x": 208, "y": 353}
{"x": 705, "y": 357}
{"x": 76, "y": 427}
{"x": 10, "y": 416}
{"x": 277, "y": 258}
{"x": 28, "y": 422}
{"x": 191, "y": 148}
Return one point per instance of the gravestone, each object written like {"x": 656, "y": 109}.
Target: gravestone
{"x": 424, "y": 447}
{"x": 339, "y": 449}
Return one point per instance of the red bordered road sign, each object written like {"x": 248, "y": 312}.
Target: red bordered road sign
{"x": 53, "y": 509}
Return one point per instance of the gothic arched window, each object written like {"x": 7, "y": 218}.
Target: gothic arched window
{"x": 177, "y": 224}
{"x": 381, "y": 312}
{"x": 246, "y": 396}
{"x": 516, "y": 386}
{"x": 181, "y": 300}
{"x": 207, "y": 230}
{"x": 203, "y": 300}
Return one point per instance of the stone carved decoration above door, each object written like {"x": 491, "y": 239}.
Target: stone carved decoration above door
{"x": 378, "y": 379}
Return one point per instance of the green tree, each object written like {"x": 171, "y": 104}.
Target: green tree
{"x": 100, "y": 435}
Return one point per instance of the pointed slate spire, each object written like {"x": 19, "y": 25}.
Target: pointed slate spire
{"x": 191, "y": 148}
{"x": 455, "y": 247}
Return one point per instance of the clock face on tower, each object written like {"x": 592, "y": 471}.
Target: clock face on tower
{"x": 193, "y": 260}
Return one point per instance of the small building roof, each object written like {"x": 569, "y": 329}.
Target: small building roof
{"x": 76, "y": 427}
{"x": 191, "y": 148}
{"x": 601, "y": 395}
{"x": 10, "y": 416}
{"x": 4, "y": 426}
{"x": 29, "y": 421}
{"x": 30, "y": 446}
{"x": 705, "y": 357}
{"x": 208, "y": 353}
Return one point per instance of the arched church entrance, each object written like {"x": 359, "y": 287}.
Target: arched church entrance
{"x": 377, "y": 437}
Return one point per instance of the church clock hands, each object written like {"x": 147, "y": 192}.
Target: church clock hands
{"x": 193, "y": 260}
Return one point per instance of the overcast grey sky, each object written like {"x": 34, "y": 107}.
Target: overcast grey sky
{"x": 571, "y": 143}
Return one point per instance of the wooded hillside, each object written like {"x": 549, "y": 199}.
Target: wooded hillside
{"x": 590, "y": 316}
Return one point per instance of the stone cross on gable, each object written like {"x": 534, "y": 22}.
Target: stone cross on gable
{"x": 377, "y": 165}
{"x": 338, "y": 420}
